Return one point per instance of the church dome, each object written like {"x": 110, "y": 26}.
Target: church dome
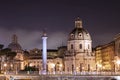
{"x": 14, "y": 45}
{"x": 79, "y": 33}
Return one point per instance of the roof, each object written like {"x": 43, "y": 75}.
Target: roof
{"x": 14, "y": 46}
{"x": 79, "y": 34}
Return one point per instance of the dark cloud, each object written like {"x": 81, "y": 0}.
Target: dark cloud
{"x": 32, "y": 39}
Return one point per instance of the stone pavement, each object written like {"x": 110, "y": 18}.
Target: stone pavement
{"x": 2, "y": 78}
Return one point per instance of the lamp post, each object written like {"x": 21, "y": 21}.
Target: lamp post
{"x": 11, "y": 67}
{"x": 96, "y": 68}
{"x": 114, "y": 67}
{"x": 100, "y": 67}
{"x": 52, "y": 65}
{"x": 60, "y": 66}
{"x": 118, "y": 62}
{"x": 5, "y": 65}
{"x": 16, "y": 72}
{"x": 72, "y": 68}
{"x": 0, "y": 64}
{"x": 81, "y": 67}
{"x": 88, "y": 67}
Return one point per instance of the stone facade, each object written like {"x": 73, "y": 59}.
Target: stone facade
{"x": 54, "y": 60}
{"x": 107, "y": 55}
{"x": 77, "y": 56}
{"x": 117, "y": 45}
{"x": 79, "y": 50}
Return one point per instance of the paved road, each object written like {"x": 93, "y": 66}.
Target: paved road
{"x": 60, "y": 77}
{"x": 2, "y": 78}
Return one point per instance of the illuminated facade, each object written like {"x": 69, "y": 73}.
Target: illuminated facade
{"x": 117, "y": 52}
{"x": 108, "y": 54}
{"x": 98, "y": 58}
{"x": 105, "y": 56}
{"x": 117, "y": 45}
{"x": 54, "y": 60}
{"x": 16, "y": 63}
{"x": 76, "y": 57}
{"x": 18, "y": 59}
{"x": 79, "y": 55}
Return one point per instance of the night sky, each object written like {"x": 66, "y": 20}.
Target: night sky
{"x": 28, "y": 18}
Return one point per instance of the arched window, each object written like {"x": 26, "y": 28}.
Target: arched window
{"x": 71, "y": 46}
{"x": 80, "y": 46}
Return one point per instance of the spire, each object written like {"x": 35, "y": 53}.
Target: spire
{"x": 14, "y": 39}
{"x": 78, "y": 23}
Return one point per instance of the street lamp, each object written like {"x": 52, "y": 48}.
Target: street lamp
{"x": 60, "y": 67}
{"x": 30, "y": 64}
{"x": 118, "y": 62}
{"x": 52, "y": 65}
{"x": 11, "y": 67}
{"x": 0, "y": 64}
{"x": 100, "y": 66}
{"x": 5, "y": 65}
{"x": 88, "y": 67}
{"x": 81, "y": 67}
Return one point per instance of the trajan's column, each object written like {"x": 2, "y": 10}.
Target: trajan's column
{"x": 44, "y": 52}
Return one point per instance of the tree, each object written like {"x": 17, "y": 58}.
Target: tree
{"x": 11, "y": 55}
{"x": 30, "y": 68}
{"x": 1, "y": 46}
{"x": 7, "y": 52}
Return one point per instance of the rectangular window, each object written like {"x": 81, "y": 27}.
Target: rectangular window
{"x": 71, "y": 46}
{"x": 80, "y": 46}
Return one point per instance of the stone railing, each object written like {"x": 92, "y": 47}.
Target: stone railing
{"x": 63, "y": 73}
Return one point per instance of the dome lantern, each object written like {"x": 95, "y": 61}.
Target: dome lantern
{"x": 14, "y": 39}
{"x": 79, "y": 33}
{"x": 78, "y": 23}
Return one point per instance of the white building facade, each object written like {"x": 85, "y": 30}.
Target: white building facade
{"x": 79, "y": 50}
{"x": 76, "y": 57}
